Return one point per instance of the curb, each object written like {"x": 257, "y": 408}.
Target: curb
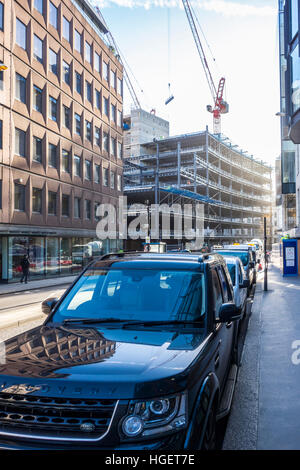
{"x": 36, "y": 288}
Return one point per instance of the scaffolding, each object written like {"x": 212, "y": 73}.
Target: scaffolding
{"x": 234, "y": 187}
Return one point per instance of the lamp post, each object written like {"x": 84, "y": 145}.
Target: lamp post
{"x": 265, "y": 253}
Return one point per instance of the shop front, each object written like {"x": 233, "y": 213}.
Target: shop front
{"x": 49, "y": 256}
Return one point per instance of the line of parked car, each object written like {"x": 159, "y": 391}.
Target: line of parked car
{"x": 140, "y": 353}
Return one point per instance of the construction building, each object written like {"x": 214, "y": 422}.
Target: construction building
{"x": 141, "y": 127}
{"x": 234, "y": 187}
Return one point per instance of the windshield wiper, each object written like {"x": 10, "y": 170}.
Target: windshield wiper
{"x": 162, "y": 322}
{"x": 94, "y": 320}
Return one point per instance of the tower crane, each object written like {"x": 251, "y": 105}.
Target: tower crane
{"x": 114, "y": 47}
{"x": 220, "y": 106}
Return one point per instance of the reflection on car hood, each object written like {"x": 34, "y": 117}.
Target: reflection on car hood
{"x": 122, "y": 363}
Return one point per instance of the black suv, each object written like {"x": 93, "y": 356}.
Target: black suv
{"x": 139, "y": 353}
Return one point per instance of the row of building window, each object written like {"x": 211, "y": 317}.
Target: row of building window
{"x": 108, "y": 144}
{"x": 65, "y": 209}
{"x": 101, "y": 103}
{"x": 94, "y": 59}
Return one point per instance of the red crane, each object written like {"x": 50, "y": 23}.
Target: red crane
{"x": 220, "y": 106}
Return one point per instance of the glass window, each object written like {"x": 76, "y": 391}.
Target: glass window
{"x": 294, "y": 18}
{"x": 19, "y": 197}
{"x": 217, "y": 293}
{"x": 38, "y": 49}
{"x": 37, "y": 98}
{"x": 20, "y": 88}
{"x": 97, "y": 136}
{"x": 112, "y": 180}
{"x": 105, "y": 71}
{"x": 78, "y": 82}
{"x": 98, "y": 100}
{"x": 77, "y": 205}
{"x": 53, "y": 62}
{"x": 1, "y": 16}
{"x": 66, "y": 161}
{"x": 52, "y": 256}
{"x": 97, "y": 174}
{"x": 66, "y": 72}
{"x": 36, "y": 200}
{"x": 119, "y": 150}
{"x": 119, "y": 182}
{"x": 88, "y": 52}
{"x": 20, "y": 142}
{"x": 97, "y": 60}
{"x": 113, "y": 147}
{"x": 66, "y": 117}
{"x": 66, "y": 29}
{"x": 113, "y": 113}
{"x": 77, "y": 165}
{"x": 105, "y": 141}
{"x": 37, "y": 149}
{"x": 295, "y": 76}
{"x": 53, "y": 15}
{"x": 77, "y": 118}
{"x": 227, "y": 297}
{"x": 106, "y": 106}
{"x": 243, "y": 255}
{"x": 52, "y": 108}
{"x": 1, "y": 134}
{"x": 113, "y": 79}
{"x": 65, "y": 205}
{"x": 88, "y": 131}
{"x": 39, "y": 6}
{"x": 21, "y": 31}
{"x": 88, "y": 91}
{"x": 120, "y": 86}
{"x": 88, "y": 170}
{"x": 96, "y": 205}
{"x": 77, "y": 41}
{"x": 105, "y": 176}
{"x": 52, "y": 155}
{"x": 120, "y": 118}
{"x": 88, "y": 214}
{"x": 52, "y": 198}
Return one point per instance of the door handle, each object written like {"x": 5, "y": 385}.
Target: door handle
{"x": 217, "y": 361}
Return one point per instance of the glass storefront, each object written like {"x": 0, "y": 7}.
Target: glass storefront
{"x": 50, "y": 256}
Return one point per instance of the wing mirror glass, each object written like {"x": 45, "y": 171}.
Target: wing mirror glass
{"x": 245, "y": 284}
{"x": 229, "y": 312}
{"x": 48, "y": 305}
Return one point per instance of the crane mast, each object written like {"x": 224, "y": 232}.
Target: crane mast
{"x": 220, "y": 106}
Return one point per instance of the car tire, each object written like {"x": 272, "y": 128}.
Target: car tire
{"x": 210, "y": 434}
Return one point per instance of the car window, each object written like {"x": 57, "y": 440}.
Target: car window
{"x": 243, "y": 255}
{"x": 217, "y": 292}
{"x": 227, "y": 297}
{"x": 231, "y": 269}
{"x": 241, "y": 275}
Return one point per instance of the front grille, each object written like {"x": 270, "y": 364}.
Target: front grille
{"x": 58, "y": 418}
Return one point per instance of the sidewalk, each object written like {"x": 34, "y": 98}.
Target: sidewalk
{"x": 32, "y": 285}
{"x": 266, "y": 407}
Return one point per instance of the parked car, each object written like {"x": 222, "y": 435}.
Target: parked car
{"x": 245, "y": 253}
{"x": 139, "y": 353}
{"x": 239, "y": 281}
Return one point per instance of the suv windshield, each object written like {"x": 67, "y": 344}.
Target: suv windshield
{"x": 135, "y": 294}
{"x": 243, "y": 255}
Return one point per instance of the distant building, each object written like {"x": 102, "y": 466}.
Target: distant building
{"x": 141, "y": 127}
{"x": 60, "y": 134}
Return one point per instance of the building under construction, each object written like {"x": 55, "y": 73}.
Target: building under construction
{"x": 234, "y": 187}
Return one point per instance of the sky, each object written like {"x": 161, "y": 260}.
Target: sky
{"x": 241, "y": 44}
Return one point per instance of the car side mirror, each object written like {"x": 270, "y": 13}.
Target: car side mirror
{"x": 245, "y": 284}
{"x": 229, "y": 312}
{"x": 48, "y": 305}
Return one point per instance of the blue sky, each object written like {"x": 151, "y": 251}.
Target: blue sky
{"x": 155, "y": 38}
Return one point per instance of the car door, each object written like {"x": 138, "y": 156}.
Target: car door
{"x": 223, "y": 332}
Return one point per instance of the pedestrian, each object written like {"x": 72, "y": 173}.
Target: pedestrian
{"x": 25, "y": 268}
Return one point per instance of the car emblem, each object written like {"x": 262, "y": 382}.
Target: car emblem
{"x": 87, "y": 427}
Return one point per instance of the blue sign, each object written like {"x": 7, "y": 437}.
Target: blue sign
{"x": 290, "y": 258}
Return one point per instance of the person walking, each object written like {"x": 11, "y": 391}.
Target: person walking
{"x": 25, "y": 268}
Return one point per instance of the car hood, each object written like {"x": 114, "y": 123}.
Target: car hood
{"x": 109, "y": 361}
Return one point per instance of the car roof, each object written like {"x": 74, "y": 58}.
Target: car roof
{"x": 232, "y": 259}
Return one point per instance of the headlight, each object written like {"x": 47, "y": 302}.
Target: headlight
{"x": 150, "y": 417}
